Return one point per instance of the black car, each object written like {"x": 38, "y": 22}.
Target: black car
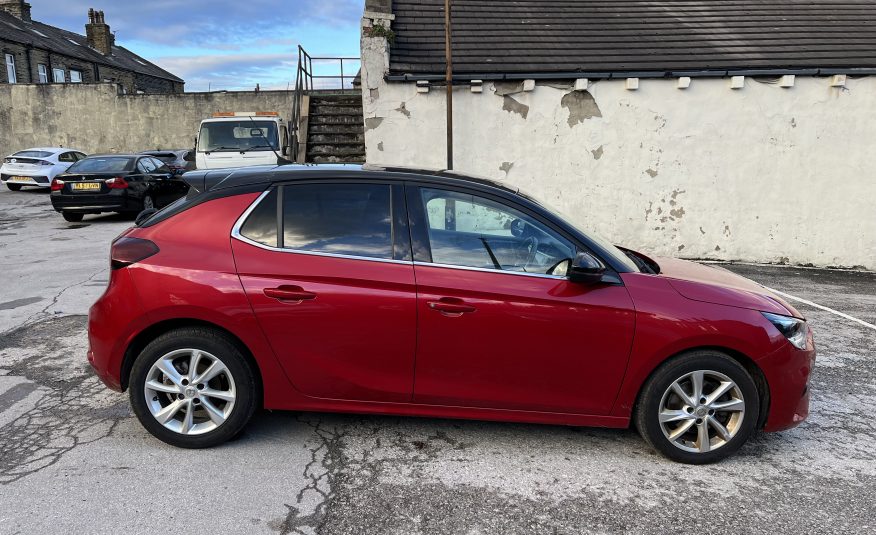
{"x": 115, "y": 183}
{"x": 178, "y": 161}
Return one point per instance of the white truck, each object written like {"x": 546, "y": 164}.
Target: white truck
{"x": 241, "y": 139}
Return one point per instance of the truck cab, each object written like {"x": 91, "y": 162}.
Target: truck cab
{"x": 241, "y": 139}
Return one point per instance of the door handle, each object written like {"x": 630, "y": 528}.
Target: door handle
{"x": 289, "y": 293}
{"x": 451, "y": 306}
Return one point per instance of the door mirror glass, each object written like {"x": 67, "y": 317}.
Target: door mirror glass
{"x": 586, "y": 269}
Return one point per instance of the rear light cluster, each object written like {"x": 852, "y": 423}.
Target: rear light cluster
{"x": 126, "y": 251}
{"x": 117, "y": 183}
{"x": 43, "y": 162}
{"x": 57, "y": 185}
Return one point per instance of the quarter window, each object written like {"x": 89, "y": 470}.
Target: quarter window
{"x": 347, "y": 219}
{"x": 10, "y": 69}
{"x": 261, "y": 225}
{"x": 470, "y": 231}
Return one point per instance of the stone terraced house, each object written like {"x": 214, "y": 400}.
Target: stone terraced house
{"x": 36, "y": 53}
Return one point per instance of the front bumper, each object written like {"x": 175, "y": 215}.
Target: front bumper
{"x": 788, "y": 372}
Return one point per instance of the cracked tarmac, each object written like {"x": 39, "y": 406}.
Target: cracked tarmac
{"x": 74, "y": 460}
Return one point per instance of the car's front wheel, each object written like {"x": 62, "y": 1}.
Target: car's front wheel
{"x": 13, "y": 187}
{"x": 193, "y": 388}
{"x": 698, "y": 408}
{"x": 72, "y": 217}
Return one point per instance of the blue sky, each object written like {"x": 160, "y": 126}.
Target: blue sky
{"x": 221, "y": 44}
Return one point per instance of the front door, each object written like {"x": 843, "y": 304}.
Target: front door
{"x": 333, "y": 287}
{"x": 499, "y": 324}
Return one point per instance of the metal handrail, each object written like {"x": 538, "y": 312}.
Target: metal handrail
{"x": 304, "y": 85}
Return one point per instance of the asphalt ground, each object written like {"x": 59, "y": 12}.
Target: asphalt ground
{"x": 73, "y": 459}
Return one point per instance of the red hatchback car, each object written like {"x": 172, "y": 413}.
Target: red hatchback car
{"x": 394, "y": 291}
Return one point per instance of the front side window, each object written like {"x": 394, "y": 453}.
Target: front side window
{"x": 43, "y": 73}
{"x": 347, "y": 219}
{"x": 470, "y": 231}
{"x": 58, "y": 76}
{"x": 10, "y": 69}
{"x": 146, "y": 166}
{"x": 75, "y": 76}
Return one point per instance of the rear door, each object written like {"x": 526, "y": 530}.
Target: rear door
{"x": 327, "y": 268}
{"x": 500, "y": 326}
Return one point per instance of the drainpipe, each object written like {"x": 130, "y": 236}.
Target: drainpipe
{"x": 448, "y": 53}
{"x": 29, "y": 64}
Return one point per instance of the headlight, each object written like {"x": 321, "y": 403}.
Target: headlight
{"x": 794, "y": 329}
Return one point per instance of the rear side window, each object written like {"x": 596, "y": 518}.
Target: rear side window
{"x": 347, "y": 219}
{"x": 261, "y": 225}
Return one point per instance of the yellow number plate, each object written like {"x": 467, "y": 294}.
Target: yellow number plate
{"x": 20, "y": 179}
{"x": 85, "y": 186}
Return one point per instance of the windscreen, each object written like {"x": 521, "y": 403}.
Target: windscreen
{"x": 243, "y": 135}
{"x": 110, "y": 164}
{"x": 32, "y": 154}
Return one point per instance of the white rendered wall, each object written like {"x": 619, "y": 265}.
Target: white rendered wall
{"x": 762, "y": 173}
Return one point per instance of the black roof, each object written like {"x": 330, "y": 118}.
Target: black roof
{"x": 71, "y": 44}
{"x": 596, "y": 38}
{"x": 214, "y": 179}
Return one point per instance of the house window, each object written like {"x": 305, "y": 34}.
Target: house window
{"x": 10, "y": 69}
{"x": 58, "y": 76}
{"x": 75, "y": 76}
{"x": 44, "y": 73}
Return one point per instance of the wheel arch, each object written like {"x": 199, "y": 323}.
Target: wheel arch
{"x": 747, "y": 362}
{"x": 144, "y": 337}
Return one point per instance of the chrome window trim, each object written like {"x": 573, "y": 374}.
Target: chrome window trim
{"x": 488, "y": 270}
{"x": 235, "y": 233}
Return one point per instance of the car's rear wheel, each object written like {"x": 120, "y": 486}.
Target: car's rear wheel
{"x": 13, "y": 187}
{"x": 698, "y": 408}
{"x": 72, "y": 217}
{"x": 193, "y": 388}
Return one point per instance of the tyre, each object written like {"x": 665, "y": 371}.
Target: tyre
{"x": 72, "y": 217}
{"x": 13, "y": 187}
{"x": 698, "y": 408}
{"x": 193, "y": 388}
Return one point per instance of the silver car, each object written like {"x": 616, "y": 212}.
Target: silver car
{"x": 37, "y": 167}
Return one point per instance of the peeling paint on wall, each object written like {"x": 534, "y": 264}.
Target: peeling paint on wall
{"x": 403, "y": 110}
{"x": 506, "y": 167}
{"x": 651, "y": 172}
{"x": 507, "y": 88}
{"x": 373, "y": 122}
{"x": 597, "y": 153}
{"x": 511, "y": 105}
{"x": 380, "y": 146}
{"x": 581, "y": 106}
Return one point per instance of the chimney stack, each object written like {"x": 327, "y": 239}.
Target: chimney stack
{"x": 16, "y": 8}
{"x": 97, "y": 31}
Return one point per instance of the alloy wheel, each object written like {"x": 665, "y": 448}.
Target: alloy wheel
{"x": 701, "y": 411}
{"x": 190, "y": 391}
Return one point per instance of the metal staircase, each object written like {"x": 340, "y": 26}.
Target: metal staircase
{"x": 327, "y": 121}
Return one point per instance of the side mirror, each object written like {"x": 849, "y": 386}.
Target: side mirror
{"x": 586, "y": 269}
